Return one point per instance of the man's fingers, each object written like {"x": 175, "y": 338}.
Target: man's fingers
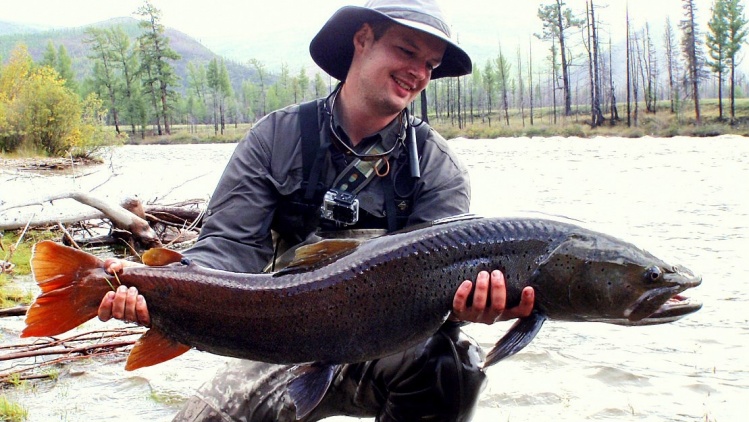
{"x": 105, "y": 308}
{"x": 141, "y": 310}
{"x": 130, "y": 300}
{"x": 524, "y": 308}
{"x": 498, "y": 292}
{"x": 118, "y": 305}
{"x": 113, "y": 265}
{"x": 460, "y": 299}
{"x": 126, "y": 305}
{"x": 526, "y": 301}
{"x": 481, "y": 293}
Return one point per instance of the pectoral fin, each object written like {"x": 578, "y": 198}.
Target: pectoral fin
{"x": 309, "y": 257}
{"x": 309, "y": 387}
{"x": 152, "y": 348}
{"x": 158, "y": 257}
{"x": 520, "y": 335}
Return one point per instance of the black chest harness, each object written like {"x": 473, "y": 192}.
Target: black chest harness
{"x": 298, "y": 214}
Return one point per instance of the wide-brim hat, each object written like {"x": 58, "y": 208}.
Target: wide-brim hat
{"x": 333, "y": 48}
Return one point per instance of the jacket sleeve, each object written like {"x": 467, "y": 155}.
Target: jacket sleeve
{"x": 236, "y": 228}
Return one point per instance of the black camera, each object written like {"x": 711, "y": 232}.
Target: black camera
{"x": 341, "y": 207}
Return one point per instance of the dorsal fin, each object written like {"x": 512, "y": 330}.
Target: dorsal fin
{"x": 158, "y": 257}
{"x": 309, "y": 257}
{"x": 452, "y": 219}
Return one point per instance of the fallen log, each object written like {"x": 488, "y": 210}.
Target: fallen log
{"x": 137, "y": 225}
{"x": 14, "y": 311}
{"x": 98, "y": 343}
{"x": 121, "y": 219}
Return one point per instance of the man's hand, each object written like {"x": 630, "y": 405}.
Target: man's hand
{"x": 490, "y": 289}
{"x": 123, "y": 304}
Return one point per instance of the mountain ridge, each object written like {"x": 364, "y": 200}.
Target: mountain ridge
{"x": 189, "y": 49}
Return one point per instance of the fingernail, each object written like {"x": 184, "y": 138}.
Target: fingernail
{"x": 122, "y": 289}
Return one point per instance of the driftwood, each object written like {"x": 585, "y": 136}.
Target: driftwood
{"x": 31, "y": 356}
{"x": 137, "y": 225}
{"x": 14, "y": 311}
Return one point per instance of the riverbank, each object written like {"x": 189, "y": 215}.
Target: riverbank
{"x": 42, "y": 163}
{"x": 546, "y": 122}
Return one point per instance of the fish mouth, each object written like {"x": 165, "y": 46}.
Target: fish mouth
{"x": 661, "y": 305}
{"x": 665, "y": 304}
{"x": 675, "y": 308}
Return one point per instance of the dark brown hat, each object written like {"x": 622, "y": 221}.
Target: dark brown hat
{"x": 333, "y": 49}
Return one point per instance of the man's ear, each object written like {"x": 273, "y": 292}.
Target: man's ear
{"x": 362, "y": 36}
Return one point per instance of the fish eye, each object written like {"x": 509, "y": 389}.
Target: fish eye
{"x": 653, "y": 273}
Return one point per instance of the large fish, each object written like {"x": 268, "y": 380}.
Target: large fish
{"x": 349, "y": 301}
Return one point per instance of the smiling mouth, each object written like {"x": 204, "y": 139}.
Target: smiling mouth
{"x": 403, "y": 85}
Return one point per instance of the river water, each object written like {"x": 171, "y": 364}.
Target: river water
{"x": 683, "y": 199}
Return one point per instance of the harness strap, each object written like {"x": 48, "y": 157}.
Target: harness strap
{"x": 313, "y": 147}
{"x": 359, "y": 173}
{"x": 391, "y": 212}
{"x": 310, "y": 127}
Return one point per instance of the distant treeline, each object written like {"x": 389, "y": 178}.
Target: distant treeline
{"x": 133, "y": 78}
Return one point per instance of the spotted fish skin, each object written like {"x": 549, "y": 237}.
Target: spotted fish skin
{"x": 348, "y": 301}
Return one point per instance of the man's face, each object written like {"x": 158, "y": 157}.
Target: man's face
{"x": 393, "y": 70}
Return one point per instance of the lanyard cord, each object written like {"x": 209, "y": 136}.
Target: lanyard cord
{"x": 403, "y": 123}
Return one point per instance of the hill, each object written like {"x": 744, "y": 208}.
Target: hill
{"x": 9, "y": 28}
{"x": 36, "y": 40}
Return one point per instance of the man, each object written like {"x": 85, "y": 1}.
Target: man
{"x": 271, "y": 196}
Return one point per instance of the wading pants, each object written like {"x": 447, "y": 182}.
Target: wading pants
{"x": 437, "y": 380}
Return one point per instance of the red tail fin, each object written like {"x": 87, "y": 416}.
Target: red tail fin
{"x": 71, "y": 289}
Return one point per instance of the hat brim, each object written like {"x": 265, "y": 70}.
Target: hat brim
{"x": 333, "y": 47}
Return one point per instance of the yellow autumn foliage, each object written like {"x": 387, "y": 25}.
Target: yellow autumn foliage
{"x": 39, "y": 113}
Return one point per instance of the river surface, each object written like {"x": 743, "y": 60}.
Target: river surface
{"x": 684, "y": 199}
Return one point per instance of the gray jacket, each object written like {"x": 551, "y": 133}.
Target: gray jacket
{"x": 267, "y": 166}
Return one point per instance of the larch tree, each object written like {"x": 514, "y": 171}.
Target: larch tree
{"x": 503, "y": 78}
{"x": 489, "y": 80}
{"x": 125, "y": 59}
{"x": 737, "y": 36}
{"x": 156, "y": 56}
{"x": 104, "y": 75}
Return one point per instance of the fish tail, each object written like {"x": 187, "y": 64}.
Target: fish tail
{"x": 73, "y": 284}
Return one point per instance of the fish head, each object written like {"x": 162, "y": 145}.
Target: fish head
{"x": 605, "y": 279}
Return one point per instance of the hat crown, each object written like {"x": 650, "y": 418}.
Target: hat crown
{"x": 425, "y": 12}
{"x": 333, "y": 49}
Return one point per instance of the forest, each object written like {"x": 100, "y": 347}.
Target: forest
{"x": 132, "y": 90}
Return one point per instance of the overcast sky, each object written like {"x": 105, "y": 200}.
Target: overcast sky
{"x": 235, "y": 18}
{"x": 513, "y": 21}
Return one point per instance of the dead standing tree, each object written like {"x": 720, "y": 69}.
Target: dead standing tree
{"x": 649, "y": 70}
{"x": 556, "y": 21}
{"x": 690, "y": 44}
{"x": 672, "y": 65}
{"x": 594, "y": 67}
